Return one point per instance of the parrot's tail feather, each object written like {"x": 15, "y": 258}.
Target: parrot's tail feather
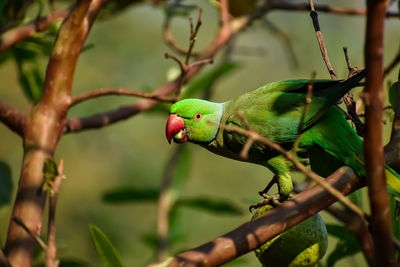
{"x": 393, "y": 181}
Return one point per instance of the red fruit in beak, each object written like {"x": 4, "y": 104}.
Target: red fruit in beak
{"x": 174, "y": 125}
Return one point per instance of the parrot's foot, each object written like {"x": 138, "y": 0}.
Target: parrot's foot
{"x": 275, "y": 200}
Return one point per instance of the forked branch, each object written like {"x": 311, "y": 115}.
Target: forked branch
{"x": 252, "y": 235}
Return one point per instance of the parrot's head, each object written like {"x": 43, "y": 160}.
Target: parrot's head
{"x": 193, "y": 120}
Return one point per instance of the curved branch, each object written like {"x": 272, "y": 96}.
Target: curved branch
{"x": 12, "y": 117}
{"x": 102, "y": 119}
{"x": 118, "y": 91}
{"x": 13, "y": 36}
{"x": 251, "y": 235}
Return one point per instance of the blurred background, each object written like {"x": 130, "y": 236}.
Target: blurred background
{"x": 127, "y": 51}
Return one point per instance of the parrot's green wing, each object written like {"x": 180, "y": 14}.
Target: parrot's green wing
{"x": 275, "y": 110}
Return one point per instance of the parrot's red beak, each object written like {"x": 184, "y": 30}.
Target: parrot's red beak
{"x": 175, "y": 125}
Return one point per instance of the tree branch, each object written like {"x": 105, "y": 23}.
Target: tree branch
{"x": 43, "y": 128}
{"x": 321, "y": 43}
{"x": 12, "y": 117}
{"x": 223, "y": 36}
{"x": 290, "y": 6}
{"x": 13, "y": 36}
{"x": 51, "y": 251}
{"x": 118, "y": 91}
{"x": 253, "y": 234}
{"x": 373, "y": 151}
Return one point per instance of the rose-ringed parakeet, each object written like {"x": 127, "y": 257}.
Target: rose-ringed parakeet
{"x": 274, "y": 111}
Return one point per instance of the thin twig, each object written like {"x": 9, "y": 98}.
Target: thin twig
{"x": 301, "y": 167}
{"x": 170, "y": 41}
{"x": 119, "y": 91}
{"x": 51, "y": 252}
{"x": 352, "y": 70}
{"x": 37, "y": 238}
{"x": 193, "y": 35}
{"x": 321, "y": 43}
{"x": 244, "y": 154}
{"x": 348, "y": 98}
{"x": 307, "y": 101}
{"x": 12, "y": 117}
{"x": 185, "y": 66}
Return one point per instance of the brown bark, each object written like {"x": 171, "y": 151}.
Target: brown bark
{"x": 373, "y": 150}
{"x": 42, "y": 130}
{"x": 11, "y": 117}
{"x": 253, "y": 234}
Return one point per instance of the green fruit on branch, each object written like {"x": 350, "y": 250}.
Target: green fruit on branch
{"x": 302, "y": 245}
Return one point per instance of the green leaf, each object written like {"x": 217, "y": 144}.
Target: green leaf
{"x": 211, "y": 205}
{"x": 5, "y": 184}
{"x": 107, "y": 253}
{"x": 346, "y": 246}
{"x": 356, "y": 197}
{"x": 131, "y": 194}
{"x": 50, "y": 171}
{"x": 393, "y": 95}
{"x": 26, "y": 55}
{"x": 31, "y": 80}
{"x": 207, "y": 79}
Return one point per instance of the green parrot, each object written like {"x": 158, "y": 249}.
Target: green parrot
{"x": 274, "y": 111}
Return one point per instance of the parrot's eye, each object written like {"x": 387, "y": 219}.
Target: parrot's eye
{"x": 198, "y": 116}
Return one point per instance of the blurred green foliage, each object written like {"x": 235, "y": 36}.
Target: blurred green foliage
{"x": 209, "y": 195}
{"x": 346, "y": 246}
{"x": 108, "y": 254}
{"x": 6, "y": 185}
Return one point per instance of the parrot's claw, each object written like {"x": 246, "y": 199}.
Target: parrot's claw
{"x": 275, "y": 200}
{"x": 271, "y": 200}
